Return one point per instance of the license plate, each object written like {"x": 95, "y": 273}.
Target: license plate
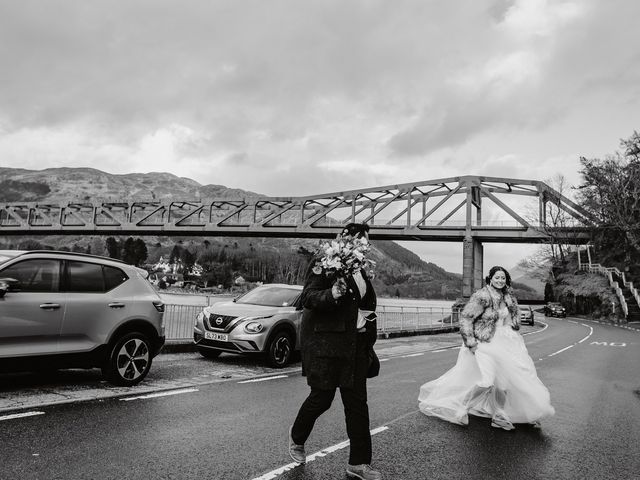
{"x": 222, "y": 337}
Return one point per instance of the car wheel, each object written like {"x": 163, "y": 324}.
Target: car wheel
{"x": 129, "y": 360}
{"x": 209, "y": 352}
{"x": 280, "y": 350}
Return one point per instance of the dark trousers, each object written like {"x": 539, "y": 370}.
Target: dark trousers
{"x": 356, "y": 411}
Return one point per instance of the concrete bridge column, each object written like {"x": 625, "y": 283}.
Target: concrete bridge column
{"x": 472, "y": 266}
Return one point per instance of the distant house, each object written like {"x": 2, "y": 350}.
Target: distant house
{"x": 163, "y": 265}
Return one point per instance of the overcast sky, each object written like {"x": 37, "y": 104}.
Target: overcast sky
{"x": 301, "y": 97}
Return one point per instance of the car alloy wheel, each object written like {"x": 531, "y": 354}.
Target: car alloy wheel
{"x": 280, "y": 350}
{"x": 129, "y": 360}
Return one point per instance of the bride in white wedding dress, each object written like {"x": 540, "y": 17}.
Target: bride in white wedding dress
{"x": 494, "y": 375}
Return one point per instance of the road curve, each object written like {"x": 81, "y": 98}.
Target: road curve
{"x": 237, "y": 429}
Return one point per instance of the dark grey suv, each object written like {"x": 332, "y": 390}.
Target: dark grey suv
{"x": 64, "y": 310}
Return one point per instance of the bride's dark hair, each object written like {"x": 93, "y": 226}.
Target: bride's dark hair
{"x": 493, "y": 271}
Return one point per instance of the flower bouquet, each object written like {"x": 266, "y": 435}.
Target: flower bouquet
{"x": 344, "y": 256}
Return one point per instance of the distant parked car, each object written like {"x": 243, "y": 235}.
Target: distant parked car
{"x": 265, "y": 320}
{"x": 64, "y": 310}
{"x": 554, "y": 309}
{"x": 526, "y": 315}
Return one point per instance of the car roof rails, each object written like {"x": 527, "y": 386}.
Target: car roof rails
{"x": 77, "y": 254}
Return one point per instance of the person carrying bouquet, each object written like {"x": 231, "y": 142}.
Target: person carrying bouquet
{"x": 337, "y": 335}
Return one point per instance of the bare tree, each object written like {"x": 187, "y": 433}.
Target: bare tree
{"x": 556, "y": 249}
{"x": 611, "y": 191}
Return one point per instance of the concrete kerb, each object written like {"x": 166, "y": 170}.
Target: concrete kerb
{"x": 185, "y": 346}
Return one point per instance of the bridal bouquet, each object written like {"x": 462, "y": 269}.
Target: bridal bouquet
{"x": 344, "y": 256}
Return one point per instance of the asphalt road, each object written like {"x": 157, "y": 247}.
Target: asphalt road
{"x": 235, "y": 428}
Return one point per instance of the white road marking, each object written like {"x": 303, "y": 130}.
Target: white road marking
{"x": 590, "y": 332}
{"x": 21, "y": 415}
{"x": 263, "y": 379}
{"x": 412, "y": 355}
{"x": 573, "y": 345}
{"x": 560, "y": 351}
{"x": 310, "y": 458}
{"x": 384, "y": 360}
{"x": 546, "y": 325}
{"x": 160, "y": 394}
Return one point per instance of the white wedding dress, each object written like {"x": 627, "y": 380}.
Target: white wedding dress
{"x": 498, "y": 381}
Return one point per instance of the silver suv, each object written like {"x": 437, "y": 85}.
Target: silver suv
{"x": 265, "y": 320}
{"x": 64, "y": 310}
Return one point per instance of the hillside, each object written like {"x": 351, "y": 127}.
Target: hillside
{"x": 399, "y": 272}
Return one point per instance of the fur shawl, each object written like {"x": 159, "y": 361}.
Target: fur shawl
{"x": 480, "y": 314}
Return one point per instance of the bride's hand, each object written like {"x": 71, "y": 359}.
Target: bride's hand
{"x": 473, "y": 347}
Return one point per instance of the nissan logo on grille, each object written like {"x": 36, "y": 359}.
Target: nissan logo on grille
{"x": 219, "y": 321}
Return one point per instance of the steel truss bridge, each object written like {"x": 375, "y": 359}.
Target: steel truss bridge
{"x": 449, "y": 209}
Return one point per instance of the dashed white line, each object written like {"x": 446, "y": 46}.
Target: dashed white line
{"x": 560, "y": 351}
{"x": 573, "y": 345}
{"x": 21, "y": 415}
{"x": 160, "y": 394}
{"x": 263, "y": 379}
{"x": 412, "y": 355}
{"x": 310, "y": 458}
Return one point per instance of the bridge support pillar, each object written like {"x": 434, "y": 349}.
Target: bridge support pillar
{"x": 472, "y": 266}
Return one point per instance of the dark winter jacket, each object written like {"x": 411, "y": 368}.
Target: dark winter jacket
{"x": 328, "y": 332}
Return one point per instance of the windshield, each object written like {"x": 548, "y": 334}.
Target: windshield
{"x": 270, "y": 296}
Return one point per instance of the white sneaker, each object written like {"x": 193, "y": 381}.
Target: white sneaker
{"x": 500, "y": 420}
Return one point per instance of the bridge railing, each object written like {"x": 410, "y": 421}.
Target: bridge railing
{"x": 179, "y": 320}
{"x": 608, "y": 273}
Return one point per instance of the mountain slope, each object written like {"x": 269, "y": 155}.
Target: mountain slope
{"x": 399, "y": 271}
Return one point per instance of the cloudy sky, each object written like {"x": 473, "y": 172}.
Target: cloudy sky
{"x": 291, "y": 97}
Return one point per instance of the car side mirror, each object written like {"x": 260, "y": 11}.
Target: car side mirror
{"x": 6, "y": 285}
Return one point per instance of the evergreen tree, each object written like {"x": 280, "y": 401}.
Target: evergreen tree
{"x": 113, "y": 249}
{"x": 140, "y": 251}
{"x": 128, "y": 251}
{"x": 188, "y": 260}
{"x": 176, "y": 254}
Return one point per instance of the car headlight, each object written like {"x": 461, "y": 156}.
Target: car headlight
{"x": 253, "y": 327}
{"x": 199, "y": 319}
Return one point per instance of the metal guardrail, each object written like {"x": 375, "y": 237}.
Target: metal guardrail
{"x": 608, "y": 272}
{"x": 398, "y": 318}
{"x": 179, "y": 319}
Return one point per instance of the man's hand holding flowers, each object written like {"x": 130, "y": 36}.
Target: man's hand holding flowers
{"x": 339, "y": 288}
{"x": 344, "y": 256}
